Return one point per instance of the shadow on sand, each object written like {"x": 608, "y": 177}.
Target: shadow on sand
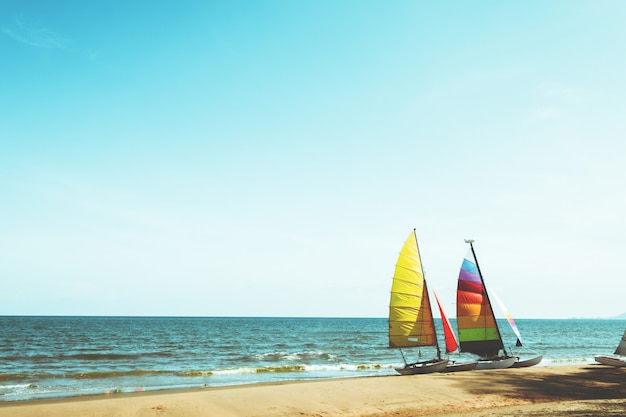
{"x": 587, "y": 387}
{"x": 593, "y": 383}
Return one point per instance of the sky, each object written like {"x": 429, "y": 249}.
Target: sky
{"x": 269, "y": 158}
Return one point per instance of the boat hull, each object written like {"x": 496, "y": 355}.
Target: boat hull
{"x": 423, "y": 367}
{"x": 460, "y": 367}
{"x": 498, "y": 363}
{"x": 610, "y": 361}
{"x": 527, "y": 362}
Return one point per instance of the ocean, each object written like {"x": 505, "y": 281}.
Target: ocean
{"x": 51, "y": 357}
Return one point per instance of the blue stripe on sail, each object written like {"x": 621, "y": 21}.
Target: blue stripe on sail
{"x": 469, "y": 266}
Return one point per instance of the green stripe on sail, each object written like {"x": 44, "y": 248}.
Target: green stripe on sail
{"x": 477, "y": 335}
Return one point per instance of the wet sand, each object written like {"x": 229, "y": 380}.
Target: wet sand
{"x": 581, "y": 390}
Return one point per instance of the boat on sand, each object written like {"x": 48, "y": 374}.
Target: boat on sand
{"x": 411, "y": 322}
{"x": 478, "y": 330}
{"x": 617, "y": 361}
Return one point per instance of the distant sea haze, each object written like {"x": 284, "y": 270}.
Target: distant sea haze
{"x": 46, "y": 357}
{"x": 619, "y": 317}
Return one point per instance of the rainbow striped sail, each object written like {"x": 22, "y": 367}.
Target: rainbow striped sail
{"x": 478, "y": 331}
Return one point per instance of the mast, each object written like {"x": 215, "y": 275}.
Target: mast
{"x": 480, "y": 274}
{"x": 432, "y": 319}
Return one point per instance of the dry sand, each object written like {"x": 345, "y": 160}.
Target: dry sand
{"x": 586, "y": 390}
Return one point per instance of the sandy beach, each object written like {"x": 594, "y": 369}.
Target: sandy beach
{"x": 581, "y": 390}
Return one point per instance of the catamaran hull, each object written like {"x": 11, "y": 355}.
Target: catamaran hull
{"x": 527, "y": 362}
{"x": 423, "y": 367}
{"x": 459, "y": 367}
{"x": 611, "y": 361}
{"x": 499, "y": 363}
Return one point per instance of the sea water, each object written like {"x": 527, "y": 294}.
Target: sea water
{"x": 48, "y": 357}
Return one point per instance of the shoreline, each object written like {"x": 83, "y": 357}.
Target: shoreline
{"x": 146, "y": 390}
{"x": 523, "y": 391}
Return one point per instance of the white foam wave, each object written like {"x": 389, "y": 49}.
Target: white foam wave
{"x": 313, "y": 368}
{"x": 306, "y": 355}
{"x": 347, "y": 367}
{"x": 235, "y": 371}
{"x": 15, "y": 386}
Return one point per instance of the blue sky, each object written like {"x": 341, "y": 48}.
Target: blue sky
{"x": 270, "y": 157}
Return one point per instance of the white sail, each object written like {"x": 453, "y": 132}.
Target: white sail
{"x": 509, "y": 318}
{"x": 621, "y": 348}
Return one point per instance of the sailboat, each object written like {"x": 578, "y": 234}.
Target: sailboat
{"x": 478, "y": 330}
{"x": 452, "y": 344}
{"x": 411, "y": 322}
{"x": 519, "y": 363}
{"x": 615, "y": 360}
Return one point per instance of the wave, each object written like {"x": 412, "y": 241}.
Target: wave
{"x": 16, "y": 386}
{"x": 568, "y": 361}
{"x": 306, "y": 356}
{"x": 88, "y": 356}
{"x": 116, "y": 356}
{"x": 193, "y": 373}
{"x": 116, "y": 374}
{"x": 284, "y": 368}
{"x": 303, "y": 368}
{"x": 23, "y": 376}
{"x": 100, "y": 374}
{"x": 350, "y": 367}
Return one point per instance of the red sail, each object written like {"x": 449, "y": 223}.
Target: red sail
{"x": 448, "y": 334}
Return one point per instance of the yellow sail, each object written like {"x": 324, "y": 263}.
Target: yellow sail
{"x": 410, "y": 314}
